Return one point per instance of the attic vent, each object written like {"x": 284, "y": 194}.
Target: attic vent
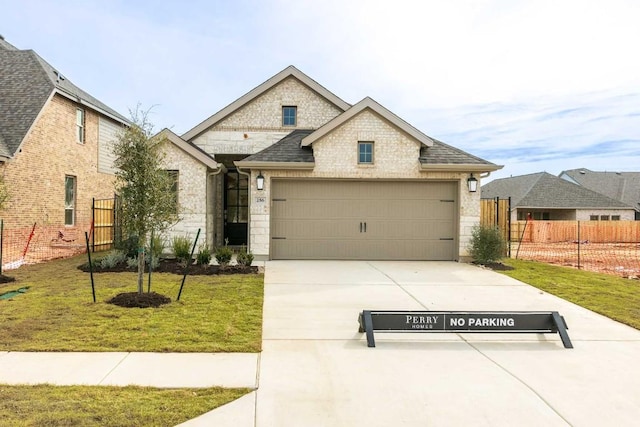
{"x": 582, "y": 172}
{"x": 1, "y": 37}
{"x": 618, "y": 173}
{"x": 59, "y": 76}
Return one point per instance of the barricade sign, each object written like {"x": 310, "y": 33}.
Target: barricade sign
{"x": 538, "y": 322}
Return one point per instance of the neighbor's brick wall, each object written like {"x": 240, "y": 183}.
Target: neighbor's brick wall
{"x": 396, "y": 156}
{"x": 36, "y": 176}
{"x": 258, "y": 124}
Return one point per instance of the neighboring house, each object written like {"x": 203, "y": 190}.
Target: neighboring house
{"x": 301, "y": 174}
{"x": 542, "y": 196}
{"x": 622, "y": 186}
{"x": 55, "y": 145}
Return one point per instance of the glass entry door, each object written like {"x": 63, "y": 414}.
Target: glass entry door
{"x": 236, "y": 207}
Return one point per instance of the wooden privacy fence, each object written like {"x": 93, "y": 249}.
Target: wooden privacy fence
{"x": 497, "y": 213}
{"x": 103, "y": 224}
{"x": 574, "y": 231}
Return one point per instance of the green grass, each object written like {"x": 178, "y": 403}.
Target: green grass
{"x": 611, "y": 296}
{"x": 47, "y": 405}
{"x": 57, "y": 313}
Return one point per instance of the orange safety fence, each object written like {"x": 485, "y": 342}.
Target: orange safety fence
{"x": 608, "y": 247}
{"x": 31, "y": 245}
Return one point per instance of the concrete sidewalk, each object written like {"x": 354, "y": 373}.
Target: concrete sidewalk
{"x": 121, "y": 369}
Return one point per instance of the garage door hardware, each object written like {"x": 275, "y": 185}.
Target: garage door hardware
{"x": 363, "y": 227}
{"x": 447, "y": 200}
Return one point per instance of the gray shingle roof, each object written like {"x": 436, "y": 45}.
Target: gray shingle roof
{"x": 623, "y": 186}
{"x": 288, "y": 149}
{"x": 440, "y": 153}
{"x": 26, "y": 83}
{"x": 543, "y": 190}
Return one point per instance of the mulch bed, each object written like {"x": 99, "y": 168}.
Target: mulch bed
{"x": 173, "y": 266}
{"x": 144, "y": 300}
{"x": 6, "y": 279}
{"x": 496, "y": 266}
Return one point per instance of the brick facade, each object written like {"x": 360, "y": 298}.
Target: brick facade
{"x": 35, "y": 177}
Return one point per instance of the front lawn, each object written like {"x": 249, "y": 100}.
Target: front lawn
{"x": 57, "y": 312}
{"x": 46, "y": 405}
{"x": 611, "y": 296}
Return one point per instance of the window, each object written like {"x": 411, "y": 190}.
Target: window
{"x": 173, "y": 176}
{"x": 615, "y": 217}
{"x": 289, "y": 116}
{"x": 593, "y": 217}
{"x": 69, "y": 200}
{"x": 365, "y": 153}
{"x": 80, "y": 125}
{"x": 604, "y": 217}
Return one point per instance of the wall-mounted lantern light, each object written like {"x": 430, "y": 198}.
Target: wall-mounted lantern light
{"x": 260, "y": 181}
{"x": 472, "y": 183}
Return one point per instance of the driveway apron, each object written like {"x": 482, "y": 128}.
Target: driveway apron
{"x": 316, "y": 369}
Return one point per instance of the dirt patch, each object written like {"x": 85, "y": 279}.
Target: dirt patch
{"x": 175, "y": 267}
{"x": 144, "y": 300}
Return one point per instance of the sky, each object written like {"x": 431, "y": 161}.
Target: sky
{"x": 532, "y": 85}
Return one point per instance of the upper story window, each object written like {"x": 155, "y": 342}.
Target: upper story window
{"x": 80, "y": 125}
{"x": 289, "y": 116}
{"x": 69, "y": 200}
{"x": 365, "y": 152}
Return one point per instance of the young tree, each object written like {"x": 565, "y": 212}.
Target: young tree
{"x": 144, "y": 187}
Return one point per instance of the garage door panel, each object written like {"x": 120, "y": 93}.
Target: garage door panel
{"x": 319, "y": 219}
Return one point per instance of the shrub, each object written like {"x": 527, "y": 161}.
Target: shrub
{"x": 223, "y": 255}
{"x": 487, "y": 244}
{"x": 132, "y": 262}
{"x": 244, "y": 258}
{"x": 204, "y": 255}
{"x": 129, "y": 246}
{"x": 112, "y": 259}
{"x": 181, "y": 248}
{"x": 157, "y": 246}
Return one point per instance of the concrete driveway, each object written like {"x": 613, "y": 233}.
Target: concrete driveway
{"x": 316, "y": 369}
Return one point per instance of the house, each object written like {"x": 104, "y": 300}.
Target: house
{"x": 622, "y": 186}
{"x": 301, "y": 174}
{"x": 542, "y": 196}
{"x": 55, "y": 146}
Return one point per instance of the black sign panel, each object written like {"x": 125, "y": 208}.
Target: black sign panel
{"x": 463, "y": 321}
{"x": 432, "y": 321}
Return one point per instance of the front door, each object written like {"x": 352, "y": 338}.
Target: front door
{"x": 236, "y": 208}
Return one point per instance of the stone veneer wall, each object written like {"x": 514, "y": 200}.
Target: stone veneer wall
{"x": 193, "y": 188}
{"x": 395, "y": 157}
{"x": 36, "y": 176}
{"x": 258, "y": 124}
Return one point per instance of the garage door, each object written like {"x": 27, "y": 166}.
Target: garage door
{"x": 366, "y": 220}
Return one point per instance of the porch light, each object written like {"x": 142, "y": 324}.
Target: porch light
{"x": 472, "y": 183}
{"x": 260, "y": 181}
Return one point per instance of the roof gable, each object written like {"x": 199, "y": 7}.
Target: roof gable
{"x": 367, "y": 103}
{"x": 543, "y": 190}
{"x": 189, "y": 148}
{"x": 290, "y": 71}
{"x": 622, "y": 186}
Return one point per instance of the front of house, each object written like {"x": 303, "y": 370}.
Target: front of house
{"x": 301, "y": 174}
